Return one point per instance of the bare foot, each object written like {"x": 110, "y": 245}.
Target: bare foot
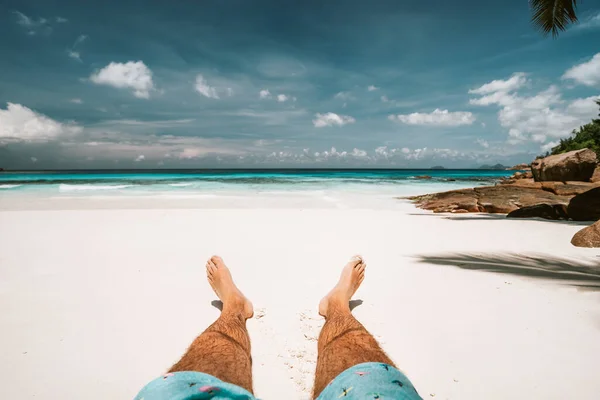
{"x": 352, "y": 276}
{"x": 221, "y": 281}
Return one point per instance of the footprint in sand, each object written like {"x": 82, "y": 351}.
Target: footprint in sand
{"x": 301, "y": 357}
{"x": 259, "y": 313}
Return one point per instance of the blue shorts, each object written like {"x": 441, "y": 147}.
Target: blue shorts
{"x": 363, "y": 381}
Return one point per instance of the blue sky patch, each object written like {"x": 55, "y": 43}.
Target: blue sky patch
{"x": 153, "y": 84}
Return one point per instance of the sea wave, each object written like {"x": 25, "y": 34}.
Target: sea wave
{"x": 8, "y": 186}
{"x": 180, "y": 184}
{"x": 73, "y": 188}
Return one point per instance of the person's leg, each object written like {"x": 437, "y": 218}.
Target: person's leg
{"x": 223, "y": 350}
{"x": 344, "y": 342}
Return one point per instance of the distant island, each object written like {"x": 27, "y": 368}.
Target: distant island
{"x": 437, "y": 167}
{"x": 497, "y": 166}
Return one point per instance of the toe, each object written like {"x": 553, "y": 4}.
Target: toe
{"x": 210, "y": 267}
{"x": 361, "y": 267}
{"x": 353, "y": 263}
{"x": 216, "y": 260}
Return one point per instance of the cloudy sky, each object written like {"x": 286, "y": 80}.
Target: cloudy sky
{"x": 237, "y": 83}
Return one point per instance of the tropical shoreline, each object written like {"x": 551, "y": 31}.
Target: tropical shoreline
{"x": 134, "y": 267}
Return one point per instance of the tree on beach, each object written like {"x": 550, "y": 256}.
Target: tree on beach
{"x": 553, "y": 16}
{"x": 588, "y": 136}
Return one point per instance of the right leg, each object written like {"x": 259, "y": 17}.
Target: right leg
{"x": 344, "y": 342}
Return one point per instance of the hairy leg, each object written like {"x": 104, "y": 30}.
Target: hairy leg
{"x": 344, "y": 342}
{"x": 223, "y": 350}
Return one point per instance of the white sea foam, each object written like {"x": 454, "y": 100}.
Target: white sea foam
{"x": 180, "y": 184}
{"x": 64, "y": 187}
{"x": 7, "y": 186}
{"x": 189, "y": 196}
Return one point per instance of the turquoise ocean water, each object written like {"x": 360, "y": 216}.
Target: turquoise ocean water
{"x": 214, "y": 182}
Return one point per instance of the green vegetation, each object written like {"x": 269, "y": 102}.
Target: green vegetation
{"x": 588, "y": 136}
{"x": 552, "y": 16}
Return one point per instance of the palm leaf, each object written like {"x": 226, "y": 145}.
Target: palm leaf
{"x": 553, "y": 15}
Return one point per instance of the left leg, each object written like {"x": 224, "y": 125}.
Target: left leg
{"x": 223, "y": 350}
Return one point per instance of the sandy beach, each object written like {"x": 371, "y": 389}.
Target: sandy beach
{"x": 140, "y": 139}
{"x": 97, "y": 302}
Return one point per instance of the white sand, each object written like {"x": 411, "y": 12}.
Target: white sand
{"x": 95, "y": 303}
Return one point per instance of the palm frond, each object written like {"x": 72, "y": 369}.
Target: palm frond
{"x": 553, "y": 15}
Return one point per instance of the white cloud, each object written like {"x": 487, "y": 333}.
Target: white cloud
{"x": 130, "y": 75}
{"x": 190, "y": 153}
{"x": 502, "y": 98}
{"x": 333, "y": 154}
{"x": 343, "y": 96}
{"x": 516, "y": 81}
{"x": 80, "y": 39}
{"x": 384, "y": 99}
{"x": 275, "y": 118}
{"x": 76, "y": 101}
{"x": 33, "y": 159}
{"x": 539, "y": 117}
{"x": 23, "y": 19}
{"x": 281, "y": 98}
{"x": 436, "y": 118}
{"x": 358, "y": 153}
{"x": 416, "y": 154}
{"x": 265, "y": 94}
{"x": 32, "y": 25}
{"x": 515, "y": 136}
{"x": 548, "y": 146}
{"x": 587, "y": 73}
{"x": 139, "y": 158}
{"x": 21, "y": 123}
{"x": 483, "y": 143}
{"x": 585, "y": 107}
{"x": 589, "y": 23}
{"x": 383, "y": 154}
{"x": 72, "y": 52}
{"x": 372, "y": 88}
{"x": 432, "y": 154}
{"x": 382, "y": 151}
{"x": 74, "y": 55}
{"x": 332, "y": 119}
{"x": 61, "y": 20}
{"x": 133, "y": 123}
{"x": 229, "y": 92}
{"x": 205, "y": 89}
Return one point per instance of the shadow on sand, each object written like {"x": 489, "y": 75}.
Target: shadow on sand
{"x": 581, "y": 274}
{"x": 498, "y": 217}
{"x": 218, "y": 304}
{"x": 355, "y": 303}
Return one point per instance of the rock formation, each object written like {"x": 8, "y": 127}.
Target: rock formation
{"x": 587, "y": 237}
{"x": 577, "y": 165}
{"x": 546, "y": 211}
{"x": 585, "y": 206}
{"x": 596, "y": 176}
{"x": 490, "y": 199}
